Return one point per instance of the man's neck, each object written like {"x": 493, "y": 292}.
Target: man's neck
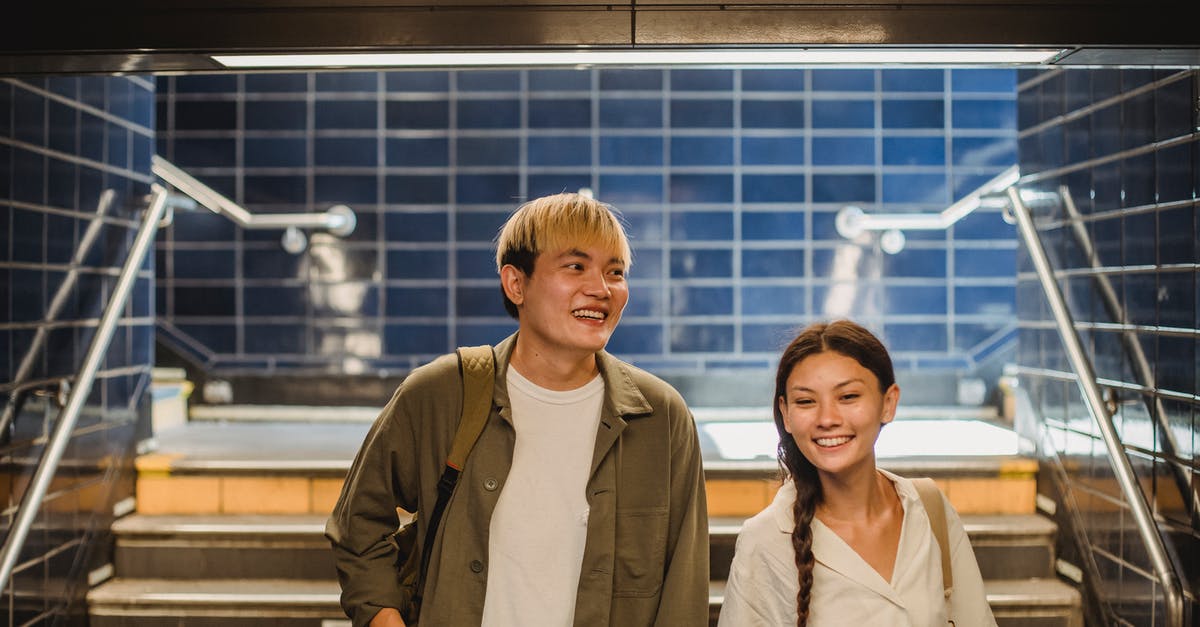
{"x": 550, "y": 371}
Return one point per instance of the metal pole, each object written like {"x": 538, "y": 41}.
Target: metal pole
{"x": 32, "y": 500}
{"x": 1086, "y": 378}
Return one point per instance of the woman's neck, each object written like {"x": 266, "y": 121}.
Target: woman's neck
{"x": 856, "y": 496}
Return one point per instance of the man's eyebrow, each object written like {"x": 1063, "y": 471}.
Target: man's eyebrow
{"x": 575, "y": 252}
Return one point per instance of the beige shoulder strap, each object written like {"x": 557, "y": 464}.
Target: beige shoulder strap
{"x": 933, "y": 500}
{"x": 478, "y": 374}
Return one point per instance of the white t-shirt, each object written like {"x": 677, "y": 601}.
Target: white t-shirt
{"x": 539, "y": 527}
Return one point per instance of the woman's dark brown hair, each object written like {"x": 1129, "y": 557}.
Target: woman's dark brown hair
{"x": 844, "y": 338}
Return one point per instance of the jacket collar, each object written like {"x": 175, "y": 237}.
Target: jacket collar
{"x": 621, "y": 395}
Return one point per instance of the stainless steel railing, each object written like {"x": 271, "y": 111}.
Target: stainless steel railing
{"x": 19, "y": 380}
{"x": 338, "y": 219}
{"x": 852, "y": 221}
{"x": 1085, "y": 376}
{"x": 1137, "y": 354}
{"x": 57, "y": 442}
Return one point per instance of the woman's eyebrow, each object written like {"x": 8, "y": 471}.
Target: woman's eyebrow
{"x": 801, "y": 388}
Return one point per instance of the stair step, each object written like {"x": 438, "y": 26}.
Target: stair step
{"x": 213, "y": 602}
{"x": 1038, "y": 602}
{"x": 293, "y": 468}
{"x": 286, "y": 547}
{"x": 300, "y": 603}
{"x": 217, "y": 546}
{"x": 1011, "y": 546}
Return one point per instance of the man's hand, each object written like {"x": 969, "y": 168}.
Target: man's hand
{"x": 387, "y": 617}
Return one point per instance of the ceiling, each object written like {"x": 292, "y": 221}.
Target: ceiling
{"x": 170, "y": 36}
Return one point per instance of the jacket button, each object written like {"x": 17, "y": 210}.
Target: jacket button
{"x": 476, "y": 566}
{"x": 490, "y": 484}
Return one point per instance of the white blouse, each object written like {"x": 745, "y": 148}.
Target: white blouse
{"x": 763, "y": 579}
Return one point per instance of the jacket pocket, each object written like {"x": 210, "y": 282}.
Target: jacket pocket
{"x": 641, "y": 546}
{"x": 408, "y": 566}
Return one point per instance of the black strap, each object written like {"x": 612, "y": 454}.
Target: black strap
{"x": 445, "y": 488}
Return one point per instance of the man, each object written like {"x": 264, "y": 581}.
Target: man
{"x": 582, "y": 502}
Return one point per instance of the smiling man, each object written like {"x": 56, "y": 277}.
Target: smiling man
{"x": 581, "y": 504}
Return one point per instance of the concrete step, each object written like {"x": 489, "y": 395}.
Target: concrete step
{"x": 215, "y": 603}
{"x": 295, "y": 468}
{"x": 1038, "y": 602}
{"x": 219, "y": 547}
{"x": 1008, "y": 546}
{"x": 304, "y": 603}
{"x": 293, "y": 546}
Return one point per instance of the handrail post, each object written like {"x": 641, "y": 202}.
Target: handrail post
{"x": 1086, "y": 378}
{"x": 56, "y": 445}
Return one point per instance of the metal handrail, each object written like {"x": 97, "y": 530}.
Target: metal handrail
{"x": 52, "y": 311}
{"x": 852, "y": 221}
{"x": 1086, "y": 378}
{"x": 338, "y": 219}
{"x": 56, "y": 445}
{"x": 1141, "y": 364}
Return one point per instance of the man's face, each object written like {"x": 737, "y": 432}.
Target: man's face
{"x": 572, "y": 302}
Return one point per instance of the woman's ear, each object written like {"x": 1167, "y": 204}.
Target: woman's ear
{"x": 512, "y": 281}
{"x": 891, "y": 398}
{"x": 782, "y": 402}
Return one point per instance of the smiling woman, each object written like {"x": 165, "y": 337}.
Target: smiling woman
{"x": 862, "y": 546}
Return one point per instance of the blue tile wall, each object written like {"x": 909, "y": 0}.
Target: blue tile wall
{"x": 1122, "y": 144}
{"x": 63, "y": 142}
{"x": 728, "y": 179}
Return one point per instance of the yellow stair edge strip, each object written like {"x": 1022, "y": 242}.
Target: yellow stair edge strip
{"x": 156, "y": 463}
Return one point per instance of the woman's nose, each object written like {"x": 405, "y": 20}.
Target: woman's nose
{"x": 827, "y": 415}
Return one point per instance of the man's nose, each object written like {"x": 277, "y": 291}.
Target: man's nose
{"x": 597, "y": 285}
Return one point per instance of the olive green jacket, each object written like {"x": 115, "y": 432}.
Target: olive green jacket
{"x": 645, "y": 561}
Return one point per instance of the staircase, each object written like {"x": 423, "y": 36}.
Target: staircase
{"x": 230, "y": 513}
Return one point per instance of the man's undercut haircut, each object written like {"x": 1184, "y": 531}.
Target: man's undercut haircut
{"x": 554, "y": 223}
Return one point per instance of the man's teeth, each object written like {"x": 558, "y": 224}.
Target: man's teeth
{"x": 832, "y": 441}
{"x": 587, "y": 313}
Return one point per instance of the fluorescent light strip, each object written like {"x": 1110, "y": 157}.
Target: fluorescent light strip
{"x": 740, "y": 56}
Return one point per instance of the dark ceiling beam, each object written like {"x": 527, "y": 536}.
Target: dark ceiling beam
{"x": 173, "y": 35}
{"x": 1036, "y": 25}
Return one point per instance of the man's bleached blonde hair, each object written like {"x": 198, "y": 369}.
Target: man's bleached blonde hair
{"x": 558, "y": 222}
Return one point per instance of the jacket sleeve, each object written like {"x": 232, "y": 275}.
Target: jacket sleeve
{"x": 968, "y": 603}
{"x": 382, "y": 478}
{"x": 684, "y": 599}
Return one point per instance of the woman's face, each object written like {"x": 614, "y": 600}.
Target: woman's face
{"x": 833, "y": 409}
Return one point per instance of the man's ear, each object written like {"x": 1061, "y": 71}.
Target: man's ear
{"x": 512, "y": 280}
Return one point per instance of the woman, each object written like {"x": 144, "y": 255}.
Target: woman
{"x": 844, "y": 542}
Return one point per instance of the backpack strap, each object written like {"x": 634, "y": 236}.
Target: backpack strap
{"x": 934, "y": 502}
{"x": 477, "y": 364}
